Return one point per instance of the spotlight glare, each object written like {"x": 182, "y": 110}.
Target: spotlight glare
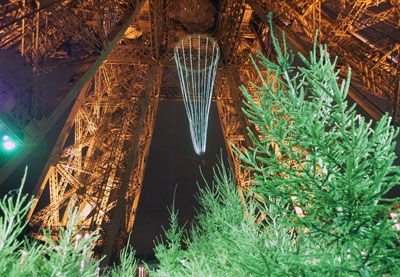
{"x": 9, "y": 145}
{"x": 5, "y": 137}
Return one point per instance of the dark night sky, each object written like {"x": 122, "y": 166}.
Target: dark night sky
{"x": 172, "y": 163}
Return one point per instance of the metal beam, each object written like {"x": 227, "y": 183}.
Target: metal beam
{"x": 228, "y": 27}
{"x": 115, "y": 226}
{"x": 57, "y": 149}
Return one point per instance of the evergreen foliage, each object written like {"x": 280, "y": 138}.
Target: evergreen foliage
{"x": 70, "y": 254}
{"x": 222, "y": 241}
{"x": 314, "y": 152}
{"x": 128, "y": 263}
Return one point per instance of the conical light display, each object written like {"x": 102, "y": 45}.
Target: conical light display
{"x": 196, "y": 58}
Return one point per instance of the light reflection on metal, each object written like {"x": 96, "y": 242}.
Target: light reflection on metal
{"x": 196, "y": 58}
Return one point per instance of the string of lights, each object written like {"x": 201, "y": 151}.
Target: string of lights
{"x": 196, "y": 58}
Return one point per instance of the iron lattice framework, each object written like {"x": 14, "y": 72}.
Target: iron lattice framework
{"x": 111, "y": 132}
{"x": 363, "y": 33}
{"x": 119, "y": 56}
{"x": 78, "y": 34}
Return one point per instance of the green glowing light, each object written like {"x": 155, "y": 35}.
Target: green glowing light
{"x": 9, "y": 141}
{"x": 9, "y": 145}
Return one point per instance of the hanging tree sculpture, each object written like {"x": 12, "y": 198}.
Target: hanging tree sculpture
{"x": 196, "y": 58}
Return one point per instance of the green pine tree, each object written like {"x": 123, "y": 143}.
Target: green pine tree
{"x": 314, "y": 152}
{"x": 68, "y": 255}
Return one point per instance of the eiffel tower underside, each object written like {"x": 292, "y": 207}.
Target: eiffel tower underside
{"x": 101, "y": 68}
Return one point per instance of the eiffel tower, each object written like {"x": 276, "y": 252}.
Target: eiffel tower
{"x": 116, "y": 63}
